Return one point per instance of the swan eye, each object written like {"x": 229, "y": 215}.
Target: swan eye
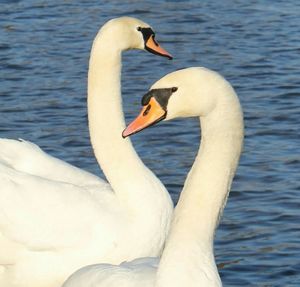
{"x": 146, "y": 112}
{"x": 139, "y": 28}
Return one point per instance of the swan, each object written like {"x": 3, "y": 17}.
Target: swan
{"x": 188, "y": 257}
{"x": 56, "y": 218}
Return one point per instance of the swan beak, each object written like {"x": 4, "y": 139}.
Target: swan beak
{"x": 153, "y": 47}
{"x": 150, "y": 115}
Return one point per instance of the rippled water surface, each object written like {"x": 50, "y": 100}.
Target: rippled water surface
{"x": 44, "y": 50}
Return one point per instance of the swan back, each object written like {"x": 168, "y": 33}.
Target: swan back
{"x": 136, "y": 273}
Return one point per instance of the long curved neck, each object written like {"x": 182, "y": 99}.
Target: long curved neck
{"x": 188, "y": 258}
{"x": 124, "y": 170}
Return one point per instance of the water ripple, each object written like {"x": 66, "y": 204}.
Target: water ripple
{"x": 44, "y": 51}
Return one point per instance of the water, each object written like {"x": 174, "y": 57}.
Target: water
{"x": 44, "y": 50}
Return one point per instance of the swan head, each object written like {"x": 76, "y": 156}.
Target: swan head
{"x": 127, "y": 33}
{"x": 192, "y": 92}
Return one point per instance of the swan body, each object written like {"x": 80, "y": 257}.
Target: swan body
{"x": 140, "y": 272}
{"x": 54, "y": 217}
{"x": 188, "y": 257}
{"x": 27, "y": 157}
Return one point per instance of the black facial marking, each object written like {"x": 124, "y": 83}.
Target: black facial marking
{"x": 161, "y": 95}
{"x": 146, "y": 32}
{"x": 146, "y": 98}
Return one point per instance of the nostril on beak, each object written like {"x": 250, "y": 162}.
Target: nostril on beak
{"x": 145, "y": 113}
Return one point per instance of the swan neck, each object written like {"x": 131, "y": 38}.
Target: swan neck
{"x": 190, "y": 241}
{"x": 105, "y": 115}
{"x": 130, "y": 179}
{"x": 209, "y": 180}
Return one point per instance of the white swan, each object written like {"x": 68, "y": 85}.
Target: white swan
{"x": 54, "y": 217}
{"x": 188, "y": 258}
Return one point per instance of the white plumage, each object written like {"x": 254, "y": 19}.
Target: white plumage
{"x": 188, "y": 257}
{"x": 54, "y": 217}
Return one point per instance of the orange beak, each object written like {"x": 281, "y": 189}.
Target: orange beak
{"x": 150, "y": 115}
{"x": 153, "y": 47}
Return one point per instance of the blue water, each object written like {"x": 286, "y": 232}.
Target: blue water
{"x": 44, "y": 51}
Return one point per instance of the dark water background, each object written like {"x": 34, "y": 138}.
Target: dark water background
{"x": 44, "y": 50}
